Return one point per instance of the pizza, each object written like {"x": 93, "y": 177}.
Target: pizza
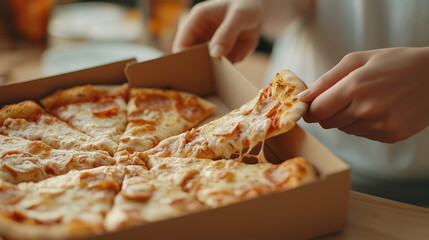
{"x": 273, "y": 111}
{"x": 93, "y": 159}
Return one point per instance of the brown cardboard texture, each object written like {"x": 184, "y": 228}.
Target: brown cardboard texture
{"x": 308, "y": 211}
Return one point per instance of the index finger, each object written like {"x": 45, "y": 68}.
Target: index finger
{"x": 199, "y": 26}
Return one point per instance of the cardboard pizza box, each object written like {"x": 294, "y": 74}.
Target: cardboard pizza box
{"x": 305, "y": 212}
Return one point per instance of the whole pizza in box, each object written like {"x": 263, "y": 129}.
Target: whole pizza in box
{"x": 93, "y": 159}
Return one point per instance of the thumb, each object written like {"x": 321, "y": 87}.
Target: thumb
{"x": 225, "y": 37}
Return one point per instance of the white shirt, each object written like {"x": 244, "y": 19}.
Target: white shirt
{"x": 310, "y": 47}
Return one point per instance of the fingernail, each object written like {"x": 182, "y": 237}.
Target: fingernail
{"x": 304, "y": 94}
{"x": 216, "y": 51}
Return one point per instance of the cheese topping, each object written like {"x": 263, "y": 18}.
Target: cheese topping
{"x": 155, "y": 114}
{"x": 144, "y": 198}
{"x": 62, "y": 199}
{"x": 23, "y": 160}
{"x": 221, "y": 182}
{"x": 273, "y": 111}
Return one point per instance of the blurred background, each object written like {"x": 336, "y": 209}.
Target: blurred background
{"x": 45, "y": 37}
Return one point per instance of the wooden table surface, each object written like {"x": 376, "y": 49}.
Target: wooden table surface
{"x": 369, "y": 217}
{"x": 372, "y": 217}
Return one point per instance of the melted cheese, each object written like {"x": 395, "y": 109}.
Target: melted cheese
{"x": 221, "y": 182}
{"x": 23, "y": 160}
{"x": 144, "y": 198}
{"x": 105, "y": 125}
{"x": 240, "y": 129}
{"x": 55, "y": 133}
{"x": 273, "y": 111}
{"x": 155, "y": 114}
{"x": 64, "y": 200}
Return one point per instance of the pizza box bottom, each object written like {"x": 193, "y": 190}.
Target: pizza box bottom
{"x": 308, "y": 211}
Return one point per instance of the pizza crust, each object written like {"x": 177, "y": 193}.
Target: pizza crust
{"x": 25, "y": 110}
{"x": 84, "y": 94}
{"x": 286, "y": 86}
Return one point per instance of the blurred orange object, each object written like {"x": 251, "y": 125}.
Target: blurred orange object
{"x": 164, "y": 15}
{"x": 31, "y": 18}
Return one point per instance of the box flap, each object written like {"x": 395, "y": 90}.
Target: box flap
{"x": 188, "y": 71}
{"x": 231, "y": 85}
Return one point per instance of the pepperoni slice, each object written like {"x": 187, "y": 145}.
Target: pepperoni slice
{"x": 228, "y": 129}
{"x": 154, "y": 102}
{"x": 190, "y": 109}
{"x": 98, "y": 181}
{"x": 143, "y": 116}
{"x": 21, "y": 162}
{"x": 139, "y": 192}
{"x": 10, "y": 194}
{"x": 278, "y": 175}
{"x": 105, "y": 108}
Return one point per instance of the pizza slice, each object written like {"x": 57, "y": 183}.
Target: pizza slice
{"x": 98, "y": 111}
{"x": 155, "y": 114}
{"x": 144, "y": 198}
{"x": 273, "y": 111}
{"x": 23, "y": 160}
{"x": 30, "y": 121}
{"x": 61, "y": 207}
{"x": 221, "y": 182}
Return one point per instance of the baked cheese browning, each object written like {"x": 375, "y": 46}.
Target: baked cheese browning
{"x": 23, "y": 160}
{"x": 86, "y": 93}
{"x": 273, "y": 111}
{"x": 72, "y": 204}
{"x": 124, "y": 158}
{"x": 144, "y": 198}
{"x": 222, "y": 182}
{"x": 98, "y": 111}
{"x": 28, "y": 120}
{"x": 155, "y": 114}
{"x": 26, "y": 110}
